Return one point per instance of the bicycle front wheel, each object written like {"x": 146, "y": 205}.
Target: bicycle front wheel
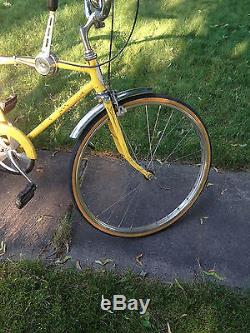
{"x": 163, "y": 135}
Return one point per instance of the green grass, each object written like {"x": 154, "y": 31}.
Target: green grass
{"x": 62, "y": 237}
{"x": 197, "y": 51}
{"x": 38, "y": 299}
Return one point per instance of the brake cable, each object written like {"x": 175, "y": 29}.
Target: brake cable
{"x": 112, "y": 33}
{"x": 129, "y": 37}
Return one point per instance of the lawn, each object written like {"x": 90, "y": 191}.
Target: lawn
{"x": 197, "y": 51}
{"x": 38, "y": 299}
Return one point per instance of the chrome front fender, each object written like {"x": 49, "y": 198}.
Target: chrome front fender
{"x": 83, "y": 123}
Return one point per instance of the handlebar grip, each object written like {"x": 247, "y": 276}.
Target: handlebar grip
{"x": 52, "y": 5}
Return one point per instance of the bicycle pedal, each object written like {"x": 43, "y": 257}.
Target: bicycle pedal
{"x": 26, "y": 195}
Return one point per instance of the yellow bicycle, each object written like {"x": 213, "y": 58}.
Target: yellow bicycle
{"x": 141, "y": 159}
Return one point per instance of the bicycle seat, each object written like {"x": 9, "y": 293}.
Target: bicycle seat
{"x": 9, "y": 104}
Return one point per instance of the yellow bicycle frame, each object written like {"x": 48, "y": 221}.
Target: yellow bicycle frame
{"x": 96, "y": 83}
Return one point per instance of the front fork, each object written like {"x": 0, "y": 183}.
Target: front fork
{"x": 119, "y": 140}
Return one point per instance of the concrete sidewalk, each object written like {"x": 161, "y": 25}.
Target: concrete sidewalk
{"x": 219, "y": 242}
{"x": 27, "y": 232}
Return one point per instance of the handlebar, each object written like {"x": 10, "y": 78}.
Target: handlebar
{"x": 100, "y": 8}
{"x": 96, "y": 12}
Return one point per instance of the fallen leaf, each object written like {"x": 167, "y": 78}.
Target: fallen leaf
{"x": 184, "y": 315}
{"x": 203, "y": 219}
{"x": 2, "y": 248}
{"x": 178, "y": 284}
{"x": 199, "y": 264}
{"x": 63, "y": 260}
{"x": 143, "y": 274}
{"x": 40, "y": 169}
{"x": 67, "y": 247}
{"x": 54, "y": 153}
{"x": 138, "y": 259}
{"x": 78, "y": 265}
{"x": 214, "y": 274}
{"x": 104, "y": 262}
{"x": 166, "y": 188}
{"x": 223, "y": 191}
{"x": 169, "y": 329}
{"x": 43, "y": 216}
{"x": 243, "y": 145}
{"x": 210, "y": 184}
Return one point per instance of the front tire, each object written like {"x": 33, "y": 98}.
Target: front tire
{"x": 166, "y": 137}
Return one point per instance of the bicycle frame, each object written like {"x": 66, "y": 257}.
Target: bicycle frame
{"x": 96, "y": 84}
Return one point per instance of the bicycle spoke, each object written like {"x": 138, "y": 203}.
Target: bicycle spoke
{"x": 83, "y": 171}
{"x": 156, "y": 122}
{"x": 155, "y": 126}
{"x": 178, "y": 145}
{"x": 118, "y": 201}
{"x": 157, "y": 146}
{"x": 126, "y": 211}
{"x": 128, "y": 142}
{"x": 182, "y": 157}
{"x": 149, "y": 137}
{"x": 135, "y": 209}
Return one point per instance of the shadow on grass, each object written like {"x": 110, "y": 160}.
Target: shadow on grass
{"x": 206, "y": 68}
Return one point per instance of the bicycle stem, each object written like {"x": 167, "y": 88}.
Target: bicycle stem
{"x": 89, "y": 54}
{"x": 95, "y": 16}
